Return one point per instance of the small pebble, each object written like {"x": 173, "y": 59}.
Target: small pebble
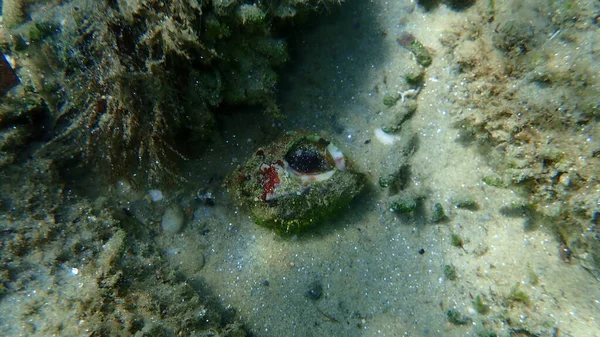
{"x": 155, "y": 195}
{"x": 172, "y": 219}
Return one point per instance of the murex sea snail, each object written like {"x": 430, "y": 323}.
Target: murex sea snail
{"x": 295, "y": 182}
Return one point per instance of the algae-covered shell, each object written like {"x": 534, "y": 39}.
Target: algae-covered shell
{"x": 295, "y": 182}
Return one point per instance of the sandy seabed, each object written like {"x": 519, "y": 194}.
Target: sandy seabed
{"x": 480, "y": 271}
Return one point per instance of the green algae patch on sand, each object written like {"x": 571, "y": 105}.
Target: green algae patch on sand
{"x": 294, "y": 183}
{"x": 420, "y": 52}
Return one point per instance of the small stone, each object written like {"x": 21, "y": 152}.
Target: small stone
{"x": 390, "y": 100}
{"x": 414, "y": 76}
{"x": 172, "y": 219}
{"x": 250, "y": 14}
{"x": 493, "y": 180}
{"x": 155, "y": 195}
{"x": 480, "y": 250}
{"x": 421, "y": 53}
{"x": 403, "y": 203}
{"x": 465, "y": 201}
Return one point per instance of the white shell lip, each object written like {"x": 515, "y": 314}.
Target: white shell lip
{"x": 312, "y": 178}
{"x": 386, "y": 138}
{"x": 338, "y": 159}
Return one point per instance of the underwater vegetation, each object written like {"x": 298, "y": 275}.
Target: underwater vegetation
{"x": 421, "y": 54}
{"x": 456, "y": 317}
{"x": 531, "y": 106}
{"x": 480, "y": 306}
{"x": 124, "y": 89}
{"x": 517, "y": 295}
{"x": 117, "y": 294}
{"x": 130, "y": 87}
{"x": 450, "y": 272}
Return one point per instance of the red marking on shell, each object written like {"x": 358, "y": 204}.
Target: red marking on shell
{"x": 340, "y": 162}
{"x": 269, "y": 178}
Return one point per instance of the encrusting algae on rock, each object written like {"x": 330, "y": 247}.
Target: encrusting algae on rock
{"x": 294, "y": 183}
{"x": 121, "y": 84}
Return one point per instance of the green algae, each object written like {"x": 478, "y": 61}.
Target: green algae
{"x": 421, "y": 53}
{"x": 480, "y": 306}
{"x": 403, "y": 203}
{"x": 438, "y": 214}
{"x": 456, "y": 317}
{"x": 517, "y": 295}
{"x": 450, "y": 272}
{"x": 456, "y": 241}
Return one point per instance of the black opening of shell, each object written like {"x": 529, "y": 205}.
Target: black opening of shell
{"x": 310, "y": 156}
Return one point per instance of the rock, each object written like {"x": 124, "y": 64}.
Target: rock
{"x": 465, "y": 201}
{"x": 8, "y": 78}
{"x": 155, "y": 195}
{"x": 172, "y": 219}
{"x": 403, "y": 202}
{"x": 422, "y": 55}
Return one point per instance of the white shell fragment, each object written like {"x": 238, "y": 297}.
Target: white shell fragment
{"x": 386, "y": 138}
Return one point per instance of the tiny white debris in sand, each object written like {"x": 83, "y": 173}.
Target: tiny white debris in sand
{"x": 385, "y": 138}
{"x": 409, "y": 93}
